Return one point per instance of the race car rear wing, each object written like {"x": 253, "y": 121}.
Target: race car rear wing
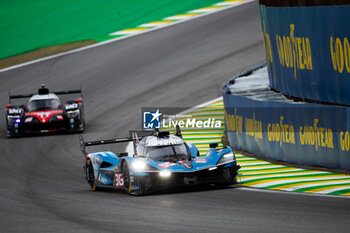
{"x": 133, "y": 138}
{"x": 84, "y": 144}
{"x": 43, "y": 91}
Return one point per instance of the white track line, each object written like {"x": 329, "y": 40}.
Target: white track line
{"x": 159, "y": 24}
{"x": 288, "y": 193}
{"x": 179, "y": 17}
{"x": 127, "y": 32}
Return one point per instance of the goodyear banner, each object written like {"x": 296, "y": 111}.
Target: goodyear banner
{"x": 309, "y": 134}
{"x": 307, "y": 45}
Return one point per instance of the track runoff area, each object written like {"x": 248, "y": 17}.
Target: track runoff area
{"x": 175, "y": 19}
{"x": 255, "y": 173}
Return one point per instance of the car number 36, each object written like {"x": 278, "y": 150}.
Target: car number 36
{"x": 119, "y": 180}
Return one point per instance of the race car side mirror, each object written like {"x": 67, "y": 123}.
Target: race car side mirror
{"x": 213, "y": 145}
{"x": 122, "y": 154}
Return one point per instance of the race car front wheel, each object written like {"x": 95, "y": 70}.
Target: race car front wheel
{"x": 126, "y": 176}
{"x": 229, "y": 177}
{"x": 90, "y": 176}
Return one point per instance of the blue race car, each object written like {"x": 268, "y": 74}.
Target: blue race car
{"x": 156, "y": 161}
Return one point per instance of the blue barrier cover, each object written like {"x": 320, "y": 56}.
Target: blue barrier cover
{"x": 308, "y": 51}
{"x": 300, "y": 133}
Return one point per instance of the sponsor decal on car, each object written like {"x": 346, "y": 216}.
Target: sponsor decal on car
{"x": 96, "y": 160}
{"x": 167, "y": 164}
{"x": 135, "y": 188}
{"x": 15, "y": 111}
{"x": 200, "y": 160}
{"x": 102, "y": 179}
{"x": 71, "y": 106}
{"x": 44, "y": 116}
{"x": 28, "y": 119}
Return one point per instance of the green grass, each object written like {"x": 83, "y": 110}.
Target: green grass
{"x": 28, "y": 25}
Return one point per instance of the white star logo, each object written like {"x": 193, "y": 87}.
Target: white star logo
{"x": 156, "y": 115}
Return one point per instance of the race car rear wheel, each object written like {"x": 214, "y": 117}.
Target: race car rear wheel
{"x": 90, "y": 176}
{"x": 126, "y": 176}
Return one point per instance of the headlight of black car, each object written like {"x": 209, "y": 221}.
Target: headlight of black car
{"x": 73, "y": 113}
{"x": 13, "y": 119}
{"x": 226, "y": 158}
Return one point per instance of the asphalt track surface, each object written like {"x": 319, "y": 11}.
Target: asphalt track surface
{"x": 42, "y": 186}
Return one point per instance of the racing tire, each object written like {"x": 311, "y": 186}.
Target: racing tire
{"x": 229, "y": 177}
{"x": 126, "y": 177}
{"x": 90, "y": 176}
{"x": 81, "y": 130}
{"x": 223, "y": 185}
{"x": 82, "y": 120}
{"x": 13, "y": 135}
{"x": 9, "y": 135}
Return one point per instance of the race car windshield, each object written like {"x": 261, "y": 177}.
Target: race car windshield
{"x": 47, "y": 104}
{"x": 168, "y": 153}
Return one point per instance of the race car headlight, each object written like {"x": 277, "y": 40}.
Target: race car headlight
{"x": 139, "y": 165}
{"x": 73, "y": 114}
{"x": 226, "y": 158}
{"x": 14, "y": 118}
{"x": 165, "y": 174}
{"x": 142, "y": 165}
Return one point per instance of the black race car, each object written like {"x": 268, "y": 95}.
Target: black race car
{"x": 44, "y": 113}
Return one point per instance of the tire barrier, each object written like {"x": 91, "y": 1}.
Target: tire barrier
{"x": 307, "y": 48}
{"x": 266, "y": 123}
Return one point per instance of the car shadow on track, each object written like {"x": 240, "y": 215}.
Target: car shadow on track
{"x": 173, "y": 190}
